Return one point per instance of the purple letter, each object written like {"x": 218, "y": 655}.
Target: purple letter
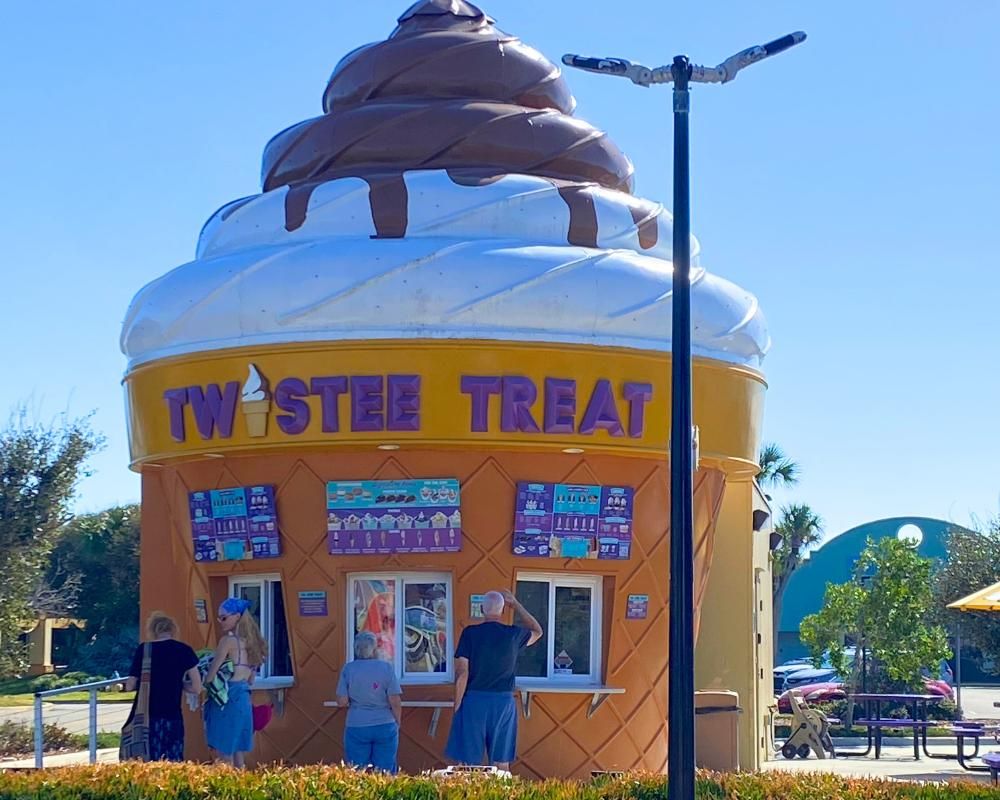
{"x": 517, "y": 396}
{"x": 480, "y": 388}
{"x": 176, "y": 400}
{"x": 288, "y": 396}
{"x": 404, "y": 403}
{"x": 366, "y": 403}
{"x": 213, "y": 408}
{"x": 601, "y": 411}
{"x": 328, "y": 390}
{"x": 637, "y": 395}
{"x": 560, "y": 405}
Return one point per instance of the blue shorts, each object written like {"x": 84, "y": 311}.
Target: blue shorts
{"x": 485, "y": 724}
{"x": 376, "y": 745}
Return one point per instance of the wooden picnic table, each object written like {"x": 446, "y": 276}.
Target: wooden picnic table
{"x": 918, "y": 722}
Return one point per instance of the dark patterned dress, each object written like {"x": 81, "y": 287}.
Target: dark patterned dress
{"x": 166, "y": 740}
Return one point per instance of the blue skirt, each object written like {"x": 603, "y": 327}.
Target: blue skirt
{"x": 229, "y": 728}
{"x": 485, "y": 724}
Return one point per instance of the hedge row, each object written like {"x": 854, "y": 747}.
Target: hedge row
{"x": 198, "y": 782}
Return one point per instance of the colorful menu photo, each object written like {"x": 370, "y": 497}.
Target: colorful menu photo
{"x": 382, "y": 517}
{"x": 234, "y": 524}
{"x": 561, "y": 520}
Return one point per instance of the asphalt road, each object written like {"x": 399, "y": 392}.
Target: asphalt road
{"x": 74, "y": 717}
{"x": 977, "y": 702}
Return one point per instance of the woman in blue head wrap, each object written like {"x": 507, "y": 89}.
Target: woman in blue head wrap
{"x": 229, "y": 727}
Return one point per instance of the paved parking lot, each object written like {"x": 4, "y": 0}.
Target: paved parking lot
{"x": 977, "y": 702}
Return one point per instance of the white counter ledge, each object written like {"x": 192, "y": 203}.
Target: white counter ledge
{"x": 599, "y": 693}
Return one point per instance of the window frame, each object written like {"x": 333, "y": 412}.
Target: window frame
{"x": 266, "y": 583}
{"x": 555, "y": 580}
{"x": 401, "y": 578}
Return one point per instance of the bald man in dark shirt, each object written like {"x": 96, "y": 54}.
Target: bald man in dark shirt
{"x": 485, "y": 721}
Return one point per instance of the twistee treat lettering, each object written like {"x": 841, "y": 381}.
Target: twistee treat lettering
{"x": 393, "y": 403}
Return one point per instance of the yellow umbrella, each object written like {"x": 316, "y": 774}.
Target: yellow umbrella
{"x": 987, "y": 599}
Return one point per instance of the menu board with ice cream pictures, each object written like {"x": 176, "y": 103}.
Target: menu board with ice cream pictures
{"x": 405, "y": 516}
{"x": 234, "y": 524}
{"x": 561, "y": 520}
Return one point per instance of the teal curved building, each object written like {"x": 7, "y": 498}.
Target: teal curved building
{"x": 834, "y": 562}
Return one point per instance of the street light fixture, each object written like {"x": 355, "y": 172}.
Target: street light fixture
{"x": 680, "y": 717}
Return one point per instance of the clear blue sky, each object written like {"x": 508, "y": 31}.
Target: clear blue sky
{"x": 850, "y": 183}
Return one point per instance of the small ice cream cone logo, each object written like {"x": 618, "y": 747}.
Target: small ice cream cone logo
{"x": 255, "y": 402}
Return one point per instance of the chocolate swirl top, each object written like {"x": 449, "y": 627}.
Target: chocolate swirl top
{"x": 446, "y": 90}
{"x": 448, "y": 51}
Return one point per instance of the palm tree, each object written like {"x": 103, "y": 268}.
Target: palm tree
{"x": 776, "y": 469}
{"x": 800, "y": 528}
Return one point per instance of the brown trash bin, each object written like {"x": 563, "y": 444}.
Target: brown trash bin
{"x": 716, "y": 730}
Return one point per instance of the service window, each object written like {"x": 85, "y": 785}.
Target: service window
{"x": 410, "y": 615}
{"x": 568, "y": 607}
{"x": 267, "y": 605}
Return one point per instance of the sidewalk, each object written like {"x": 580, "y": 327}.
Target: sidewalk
{"x": 897, "y": 763}
{"x": 106, "y": 756}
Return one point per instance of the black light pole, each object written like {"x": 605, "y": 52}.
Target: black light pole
{"x": 680, "y": 714}
{"x": 680, "y": 676}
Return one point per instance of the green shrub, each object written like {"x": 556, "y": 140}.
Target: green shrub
{"x": 18, "y": 739}
{"x": 44, "y": 683}
{"x": 105, "y": 740}
{"x": 76, "y": 678}
{"x": 198, "y": 782}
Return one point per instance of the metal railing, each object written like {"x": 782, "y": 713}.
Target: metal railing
{"x": 92, "y": 688}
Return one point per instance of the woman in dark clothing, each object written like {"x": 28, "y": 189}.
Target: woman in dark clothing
{"x": 174, "y": 664}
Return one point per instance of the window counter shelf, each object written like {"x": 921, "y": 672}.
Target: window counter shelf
{"x": 437, "y": 705}
{"x": 276, "y": 688}
{"x": 598, "y": 693}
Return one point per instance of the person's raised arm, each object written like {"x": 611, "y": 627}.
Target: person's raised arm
{"x": 223, "y": 650}
{"x": 520, "y": 611}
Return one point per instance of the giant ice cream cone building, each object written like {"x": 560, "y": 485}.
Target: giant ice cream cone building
{"x": 434, "y": 354}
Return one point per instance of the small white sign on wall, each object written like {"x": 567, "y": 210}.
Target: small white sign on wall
{"x": 476, "y": 606}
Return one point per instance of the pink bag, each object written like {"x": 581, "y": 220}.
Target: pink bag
{"x": 261, "y": 716}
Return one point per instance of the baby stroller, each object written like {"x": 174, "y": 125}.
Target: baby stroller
{"x": 810, "y": 731}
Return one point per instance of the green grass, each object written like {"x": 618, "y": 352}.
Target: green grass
{"x": 17, "y": 686}
{"x": 105, "y": 739}
{"x": 21, "y": 692}
{"x": 17, "y": 700}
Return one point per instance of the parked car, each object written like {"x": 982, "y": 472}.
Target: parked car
{"x": 825, "y": 673}
{"x": 829, "y": 691}
{"x": 814, "y": 693}
{"x": 781, "y": 671}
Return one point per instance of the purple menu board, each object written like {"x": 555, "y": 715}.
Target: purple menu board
{"x": 381, "y": 517}
{"x": 234, "y": 524}
{"x": 564, "y": 520}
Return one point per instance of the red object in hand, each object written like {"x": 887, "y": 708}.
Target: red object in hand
{"x": 261, "y": 716}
